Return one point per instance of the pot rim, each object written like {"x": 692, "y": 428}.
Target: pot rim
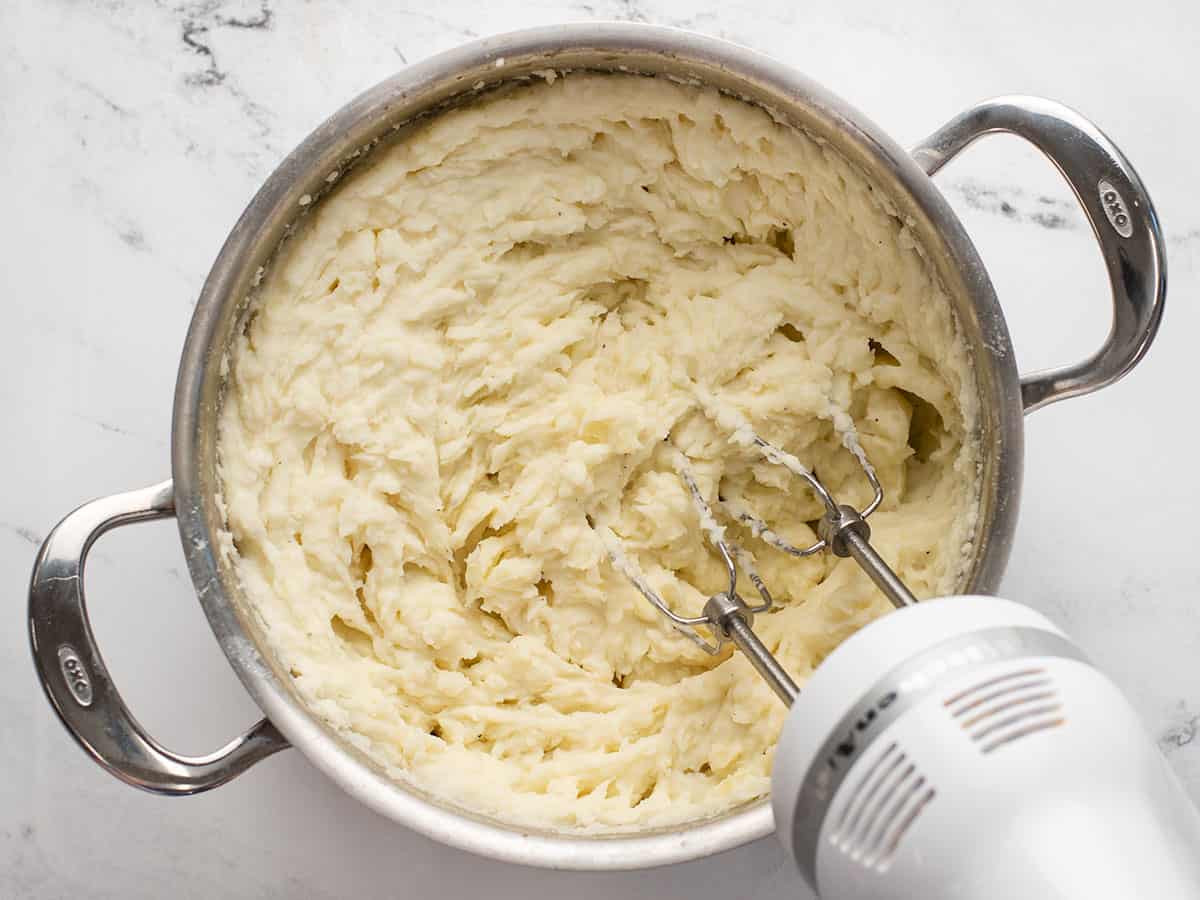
{"x": 270, "y": 212}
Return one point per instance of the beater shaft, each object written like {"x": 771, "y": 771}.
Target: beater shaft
{"x": 879, "y": 571}
{"x": 729, "y": 614}
{"x": 847, "y": 534}
{"x": 760, "y": 657}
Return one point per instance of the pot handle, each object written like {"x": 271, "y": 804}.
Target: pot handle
{"x": 75, "y": 678}
{"x": 1122, "y": 219}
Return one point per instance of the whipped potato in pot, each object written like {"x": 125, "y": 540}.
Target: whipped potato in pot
{"x": 462, "y": 371}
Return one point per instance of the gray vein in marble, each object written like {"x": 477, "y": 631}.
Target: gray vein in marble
{"x": 1017, "y": 206}
{"x": 24, "y": 879}
{"x": 199, "y": 20}
{"x": 107, "y": 426}
{"x": 195, "y": 30}
{"x": 1051, "y": 213}
{"x": 121, "y": 432}
{"x": 707, "y": 22}
{"x": 95, "y": 92}
{"x": 688, "y": 16}
{"x": 128, "y": 231}
{"x": 443, "y": 24}
{"x": 620, "y": 10}
{"x": 110, "y": 428}
{"x": 74, "y": 334}
{"x": 261, "y": 21}
{"x": 131, "y": 236}
{"x": 26, "y": 534}
{"x": 1181, "y": 733}
{"x": 629, "y": 11}
{"x": 211, "y": 74}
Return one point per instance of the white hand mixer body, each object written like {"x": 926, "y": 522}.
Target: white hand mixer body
{"x": 962, "y": 747}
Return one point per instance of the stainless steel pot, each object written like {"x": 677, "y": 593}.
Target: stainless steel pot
{"x": 67, "y": 659}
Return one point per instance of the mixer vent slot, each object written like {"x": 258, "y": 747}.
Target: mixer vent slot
{"x": 888, "y": 797}
{"x": 1007, "y": 707}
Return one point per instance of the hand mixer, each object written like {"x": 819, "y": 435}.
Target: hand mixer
{"x": 960, "y": 747}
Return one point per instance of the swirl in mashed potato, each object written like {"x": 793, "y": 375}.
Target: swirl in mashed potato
{"x": 473, "y": 350}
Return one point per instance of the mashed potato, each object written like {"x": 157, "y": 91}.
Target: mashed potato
{"x": 464, "y": 367}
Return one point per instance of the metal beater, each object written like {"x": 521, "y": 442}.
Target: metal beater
{"x": 842, "y": 529}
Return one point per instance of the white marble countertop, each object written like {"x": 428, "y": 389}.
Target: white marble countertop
{"x": 134, "y": 133}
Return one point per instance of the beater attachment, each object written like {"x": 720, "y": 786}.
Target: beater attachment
{"x": 842, "y": 529}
